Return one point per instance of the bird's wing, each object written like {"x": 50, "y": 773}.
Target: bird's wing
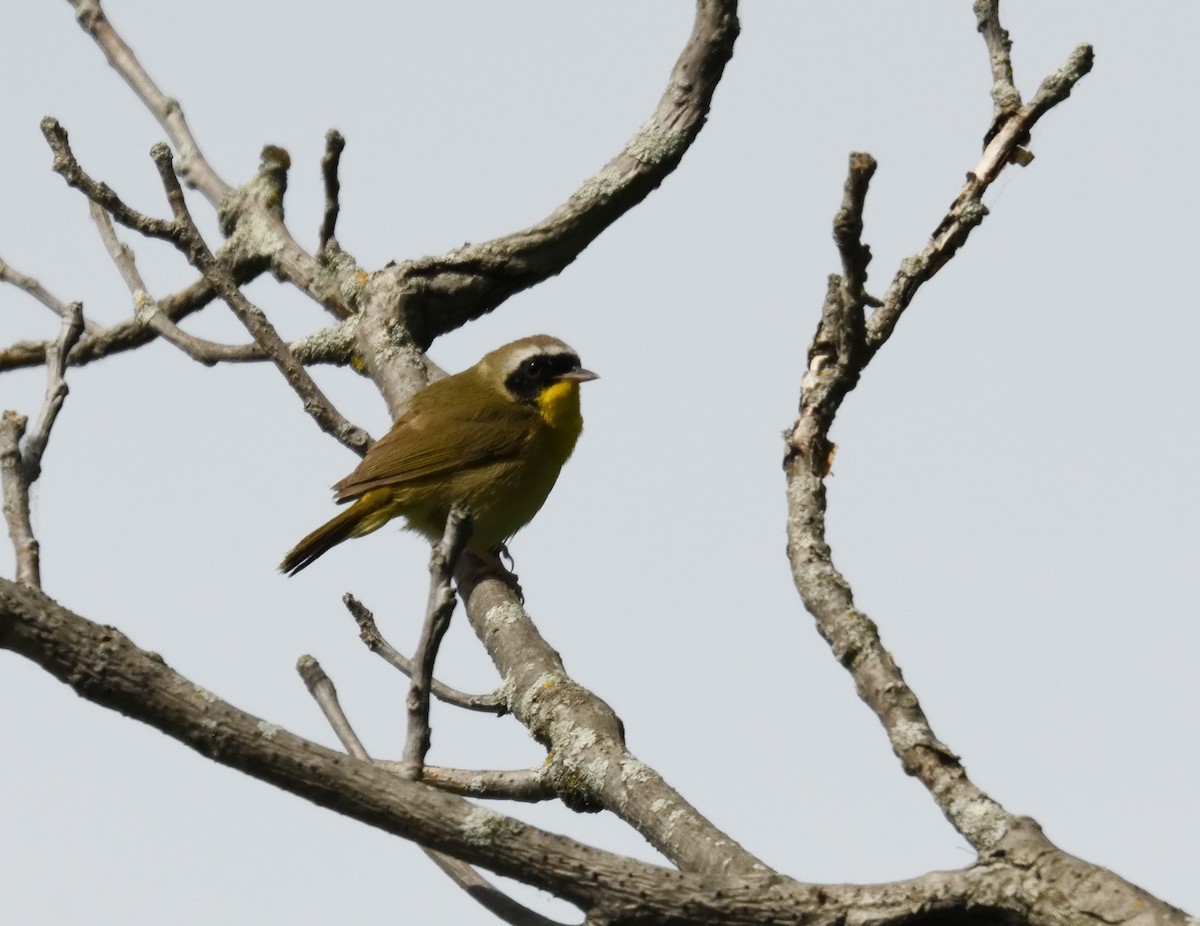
{"x": 418, "y": 447}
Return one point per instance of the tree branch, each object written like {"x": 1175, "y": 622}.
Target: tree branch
{"x": 479, "y": 888}
{"x": 334, "y": 145}
{"x": 56, "y": 389}
{"x": 193, "y": 167}
{"x": 840, "y": 350}
{"x": 146, "y": 308}
{"x": 405, "y": 307}
{"x": 967, "y": 211}
{"x": 15, "y": 485}
{"x": 588, "y": 764}
{"x": 9, "y": 274}
{"x": 368, "y": 632}
{"x": 442, "y": 561}
{"x": 21, "y": 461}
{"x": 183, "y": 234}
{"x": 523, "y": 784}
{"x": 1024, "y": 878}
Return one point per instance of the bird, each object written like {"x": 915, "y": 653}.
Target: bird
{"x": 493, "y": 437}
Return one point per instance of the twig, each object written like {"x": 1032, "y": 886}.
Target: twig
{"x": 487, "y": 894}
{"x": 848, "y": 228}
{"x": 21, "y": 461}
{"x": 333, "y": 345}
{"x": 321, "y": 687}
{"x": 334, "y": 144}
{"x": 1006, "y": 100}
{"x": 967, "y": 211}
{"x": 527, "y": 785}
{"x": 9, "y": 274}
{"x": 16, "y": 498}
{"x": 442, "y": 563}
{"x": 182, "y": 233}
{"x": 121, "y": 336}
{"x": 368, "y": 632}
{"x": 56, "y": 389}
{"x": 147, "y": 309}
{"x": 840, "y": 351}
{"x": 195, "y": 169}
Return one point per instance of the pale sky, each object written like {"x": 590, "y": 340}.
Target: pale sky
{"x": 1014, "y": 497}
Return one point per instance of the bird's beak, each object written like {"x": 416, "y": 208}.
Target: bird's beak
{"x": 578, "y": 376}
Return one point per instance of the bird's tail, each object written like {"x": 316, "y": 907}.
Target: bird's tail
{"x": 364, "y": 516}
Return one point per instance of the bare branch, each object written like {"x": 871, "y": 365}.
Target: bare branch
{"x": 968, "y": 210}
{"x": 9, "y": 274}
{"x": 327, "y": 417}
{"x": 15, "y": 483}
{"x": 1005, "y": 98}
{"x": 122, "y": 336}
{"x": 1026, "y": 878}
{"x": 368, "y": 631}
{"x": 334, "y": 144}
{"x": 56, "y": 389}
{"x": 588, "y": 764}
{"x": 21, "y": 461}
{"x": 146, "y": 308}
{"x": 839, "y": 352}
{"x": 524, "y": 784}
{"x": 182, "y": 233}
{"x": 440, "y": 607}
{"x": 101, "y": 664}
{"x": 487, "y": 895}
{"x": 193, "y": 167}
{"x": 848, "y": 228}
{"x": 435, "y": 295}
{"x": 321, "y": 687}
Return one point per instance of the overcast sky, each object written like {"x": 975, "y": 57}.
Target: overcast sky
{"x": 1014, "y": 498}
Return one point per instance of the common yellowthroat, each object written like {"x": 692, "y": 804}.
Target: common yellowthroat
{"x": 493, "y": 437}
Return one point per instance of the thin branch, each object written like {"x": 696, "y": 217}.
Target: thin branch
{"x": 192, "y": 165}
{"x": 840, "y": 350}
{"x": 848, "y": 228}
{"x": 183, "y": 233}
{"x": 121, "y": 336}
{"x": 321, "y": 687}
{"x": 488, "y": 895}
{"x": 332, "y": 345}
{"x": 440, "y": 607}
{"x": 147, "y": 308}
{"x": 56, "y": 389}
{"x": 967, "y": 211}
{"x": 9, "y": 274}
{"x": 1006, "y": 100}
{"x": 275, "y": 246}
{"x": 523, "y": 784}
{"x": 334, "y": 145}
{"x": 191, "y": 243}
{"x": 15, "y": 483}
{"x": 435, "y": 295}
{"x": 368, "y": 632}
{"x": 21, "y": 460}
{"x": 104, "y": 666}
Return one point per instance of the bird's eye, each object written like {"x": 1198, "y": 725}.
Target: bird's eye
{"x": 534, "y": 367}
